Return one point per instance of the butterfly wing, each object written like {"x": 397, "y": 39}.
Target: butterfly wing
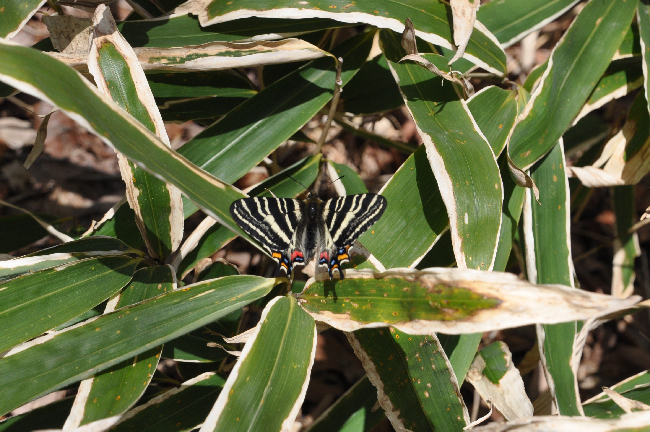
{"x": 346, "y": 218}
{"x": 271, "y": 222}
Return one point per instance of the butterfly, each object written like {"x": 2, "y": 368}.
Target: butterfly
{"x": 294, "y": 231}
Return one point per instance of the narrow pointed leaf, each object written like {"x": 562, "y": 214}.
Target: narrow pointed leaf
{"x": 14, "y": 14}
{"x": 182, "y": 30}
{"x": 52, "y": 415}
{"x": 372, "y": 89}
{"x": 626, "y": 244}
{"x": 621, "y": 78}
{"x": 34, "y": 303}
{"x": 116, "y": 389}
{"x": 431, "y": 21}
{"x": 81, "y": 352}
{"x": 636, "y": 387}
{"x": 63, "y": 87}
{"x": 414, "y": 218}
{"x": 30, "y": 231}
{"x": 65, "y": 253}
{"x": 158, "y": 207}
{"x": 450, "y": 301}
{"x": 576, "y": 64}
{"x": 460, "y": 156}
{"x": 511, "y": 20}
{"x": 494, "y": 110}
{"x": 495, "y": 377}
{"x": 352, "y": 412}
{"x": 416, "y": 384}
{"x": 548, "y": 261}
{"x": 225, "y": 84}
{"x": 268, "y": 384}
{"x": 212, "y": 56}
{"x": 179, "y": 409}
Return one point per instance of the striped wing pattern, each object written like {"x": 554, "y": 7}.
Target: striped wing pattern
{"x": 350, "y": 216}
{"x": 270, "y": 221}
{"x": 294, "y": 231}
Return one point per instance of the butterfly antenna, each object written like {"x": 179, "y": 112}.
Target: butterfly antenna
{"x": 334, "y": 180}
{"x": 297, "y": 181}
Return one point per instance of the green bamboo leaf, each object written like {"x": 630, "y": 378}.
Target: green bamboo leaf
{"x": 121, "y": 225}
{"x": 494, "y": 110}
{"x": 113, "y": 391}
{"x": 414, "y": 218}
{"x": 217, "y": 236}
{"x": 14, "y": 14}
{"x": 631, "y": 45}
{"x": 352, "y": 183}
{"x": 461, "y": 158}
{"x": 417, "y": 391}
{"x": 352, "y": 412}
{"x": 511, "y": 20}
{"x": 589, "y": 132}
{"x": 81, "y": 352}
{"x": 348, "y": 125}
{"x": 212, "y": 56}
{"x": 578, "y": 61}
{"x": 185, "y": 30}
{"x": 513, "y": 203}
{"x": 268, "y": 384}
{"x": 203, "y": 345}
{"x": 548, "y": 261}
{"x": 61, "y": 86}
{"x": 177, "y": 410}
{"x": 17, "y": 267}
{"x": 460, "y": 350}
{"x": 430, "y": 19}
{"x": 217, "y": 269}
{"x": 224, "y": 84}
{"x": 452, "y": 301}
{"x": 89, "y": 244}
{"x": 636, "y": 387}
{"x": 158, "y": 207}
{"x": 21, "y": 230}
{"x": 37, "y": 302}
{"x": 626, "y": 244}
{"x": 202, "y": 109}
{"x": 495, "y": 377}
{"x": 622, "y": 77}
{"x": 52, "y": 415}
{"x": 372, "y": 90}
{"x": 61, "y": 254}
{"x": 643, "y": 20}
{"x": 269, "y": 118}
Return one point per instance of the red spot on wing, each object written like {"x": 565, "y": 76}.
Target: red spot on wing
{"x": 296, "y": 254}
{"x": 325, "y": 255}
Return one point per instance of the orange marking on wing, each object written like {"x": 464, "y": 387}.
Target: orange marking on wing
{"x": 277, "y": 255}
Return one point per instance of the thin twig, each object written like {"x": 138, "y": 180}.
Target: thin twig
{"x": 139, "y": 9}
{"x": 333, "y": 105}
{"x": 638, "y": 225}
